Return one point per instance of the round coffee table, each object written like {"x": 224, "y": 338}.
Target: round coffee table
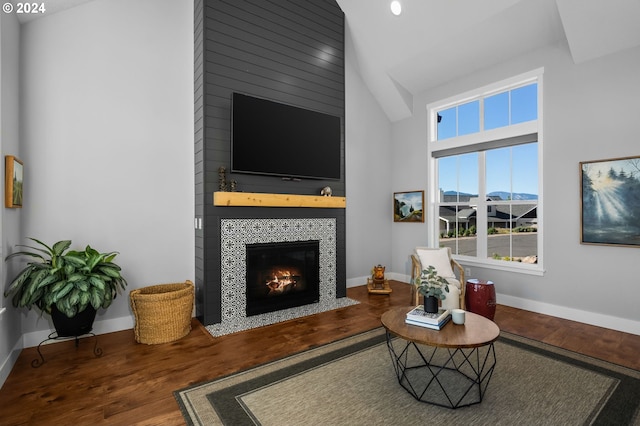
{"x": 450, "y": 367}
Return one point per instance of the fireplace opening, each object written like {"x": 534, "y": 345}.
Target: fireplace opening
{"x": 282, "y": 275}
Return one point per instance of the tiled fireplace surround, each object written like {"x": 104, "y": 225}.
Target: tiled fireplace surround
{"x": 235, "y": 234}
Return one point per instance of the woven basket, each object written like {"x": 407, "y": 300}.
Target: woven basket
{"x": 162, "y": 312}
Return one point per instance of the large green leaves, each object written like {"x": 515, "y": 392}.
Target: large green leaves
{"x": 71, "y": 280}
{"x": 76, "y": 260}
{"x": 97, "y": 297}
{"x": 18, "y": 284}
{"x": 60, "y": 247}
{"x": 429, "y": 283}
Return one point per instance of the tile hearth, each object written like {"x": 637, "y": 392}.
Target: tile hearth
{"x": 235, "y": 234}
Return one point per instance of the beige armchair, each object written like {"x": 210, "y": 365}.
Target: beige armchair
{"x": 447, "y": 267}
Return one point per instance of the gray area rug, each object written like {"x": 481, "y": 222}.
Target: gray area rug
{"x": 352, "y": 382}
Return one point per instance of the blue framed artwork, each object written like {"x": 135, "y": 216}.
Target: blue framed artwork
{"x": 610, "y": 202}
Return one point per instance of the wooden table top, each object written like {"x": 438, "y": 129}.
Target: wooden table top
{"x": 475, "y": 332}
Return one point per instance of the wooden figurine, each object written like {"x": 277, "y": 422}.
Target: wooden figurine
{"x": 378, "y": 284}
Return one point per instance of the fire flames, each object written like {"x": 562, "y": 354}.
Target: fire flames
{"x": 281, "y": 282}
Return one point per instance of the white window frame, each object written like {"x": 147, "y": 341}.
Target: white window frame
{"x": 439, "y": 148}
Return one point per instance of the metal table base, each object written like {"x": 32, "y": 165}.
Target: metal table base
{"x": 446, "y": 377}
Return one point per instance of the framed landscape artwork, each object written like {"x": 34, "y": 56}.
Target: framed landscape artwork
{"x": 610, "y": 211}
{"x": 408, "y": 206}
{"x": 13, "y": 181}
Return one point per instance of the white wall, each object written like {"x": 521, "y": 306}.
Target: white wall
{"x": 107, "y": 140}
{"x": 368, "y": 177}
{"x": 10, "y": 219}
{"x": 410, "y": 174}
{"x": 590, "y": 113}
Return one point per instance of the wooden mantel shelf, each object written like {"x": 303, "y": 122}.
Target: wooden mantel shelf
{"x": 255, "y": 199}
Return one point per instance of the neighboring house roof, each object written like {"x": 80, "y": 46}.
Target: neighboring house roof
{"x": 517, "y": 211}
{"x": 467, "y": 213}
{"x": 474, "y": 200}
{"x": 502, "y": 212}
{"x": 448, "y": 214}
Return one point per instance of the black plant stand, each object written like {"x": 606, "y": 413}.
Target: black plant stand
{"x": 54, "y": 336}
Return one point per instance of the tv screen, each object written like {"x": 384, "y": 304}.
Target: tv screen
{"x": 272, "y": 138}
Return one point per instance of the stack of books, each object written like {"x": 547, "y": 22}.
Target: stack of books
{"x": 417, "y": 316}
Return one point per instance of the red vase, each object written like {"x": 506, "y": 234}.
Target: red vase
{"x": 480, "y": 298}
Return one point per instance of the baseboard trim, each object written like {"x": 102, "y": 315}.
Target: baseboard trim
{"x": 99, "y": 327}
{"x": 355, "y": 282}
{"x": 607, "y": 321}
{"x": 9, "y": 362}
{"x": 585, "y": 317}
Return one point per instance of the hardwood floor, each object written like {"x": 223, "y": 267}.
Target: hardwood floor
{"x": 133, "y": 383}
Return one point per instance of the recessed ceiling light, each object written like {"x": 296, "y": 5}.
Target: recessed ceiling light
{"x": 396, "y": 7}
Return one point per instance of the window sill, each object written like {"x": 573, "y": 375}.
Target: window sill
{"x": 501, "y": 265}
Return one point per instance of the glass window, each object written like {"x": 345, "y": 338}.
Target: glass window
{"x": 512, "y": 194}
{"x": 524, "y": 104}
{"x": 458, "y": 180}
{"x": 460, "y": 120}
{"x": 469, "y": 118}
{"x": 496, "y": 111}
{"x": 447, "y": 124}
{"x": 489, "y": 199}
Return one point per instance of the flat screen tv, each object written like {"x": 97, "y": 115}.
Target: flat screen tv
{"x": 272, "y": 138}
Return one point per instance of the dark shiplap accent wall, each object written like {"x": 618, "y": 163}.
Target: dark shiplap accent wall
{"x": 198, "y": 96}
{"x": 286, "y": 51}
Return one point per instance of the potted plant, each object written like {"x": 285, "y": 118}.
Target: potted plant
{"x": 433, "y": 287}
{"x": 67, "y": 284}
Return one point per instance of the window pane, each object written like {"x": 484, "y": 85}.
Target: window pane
{"x": 524, "y": 178}
{"x": 498, "y": 171}
{"x": 525, "y": 244}
{"x": 447, "y": 124}
{"x": 469, "y": 118}
{"x": 458, "y": 181}
{"x": 512, "y": 172}
{"x": 458, "y": 177}
{"x": 512, "y": 232}
{"x": 498, "y": 230}
{"x": 458, "y": 229}
{"x": 524, "y": 104}
{"x": 468, "y": 174}
{"x": 496, "y": 111}
{"x": 448, "y": 178}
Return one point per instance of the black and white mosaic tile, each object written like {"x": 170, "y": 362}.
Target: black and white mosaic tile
{"x": 235, "y": 234}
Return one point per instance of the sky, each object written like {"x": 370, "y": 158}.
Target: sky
{"x": 460, "y": 173}
{"x": 410, "y": 198}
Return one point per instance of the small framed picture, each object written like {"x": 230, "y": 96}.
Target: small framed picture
{"x": 408, "y": 206}
{"x": 610, "y": 202}
{"x": 13, "y": 182}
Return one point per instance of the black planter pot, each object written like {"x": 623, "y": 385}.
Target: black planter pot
{"x": 431, "y": 304}
{"x": 81, "y": 324}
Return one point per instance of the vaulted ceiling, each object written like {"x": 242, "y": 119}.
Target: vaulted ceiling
{"x": 435, "y": 41}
